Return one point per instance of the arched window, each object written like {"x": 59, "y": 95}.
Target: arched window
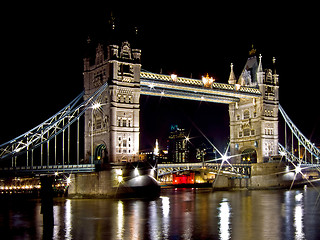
{"x": 246, "y": 114}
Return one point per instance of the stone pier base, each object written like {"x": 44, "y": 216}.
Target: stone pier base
{"x": 263, "y": 176}
{"x": 97, "y": 184}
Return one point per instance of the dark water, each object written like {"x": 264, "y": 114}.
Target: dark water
{"x": 177, "y": 214}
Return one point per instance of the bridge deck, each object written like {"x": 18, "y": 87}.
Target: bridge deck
{"x": 193, "y": 89}
{"x": 48, "y": 169}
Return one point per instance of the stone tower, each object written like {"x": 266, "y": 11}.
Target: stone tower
{"x": 254, "y": 122}
{"x": 112, "y": 128}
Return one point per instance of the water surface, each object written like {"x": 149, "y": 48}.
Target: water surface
{"x": 177, "y": 214}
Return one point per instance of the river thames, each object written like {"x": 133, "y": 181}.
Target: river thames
{"x": 176, "y": 214}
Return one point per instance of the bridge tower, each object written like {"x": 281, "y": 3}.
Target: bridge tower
{"x": 112, "y": 124}
{"x": 254, "y": 122}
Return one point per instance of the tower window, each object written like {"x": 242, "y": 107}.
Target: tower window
{"x": 124, "y": 122}
{"x": 246, "y": 132}
{"x": 246, "y": 114}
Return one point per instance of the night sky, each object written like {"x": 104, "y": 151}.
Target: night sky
{"x": 43, "y": 46}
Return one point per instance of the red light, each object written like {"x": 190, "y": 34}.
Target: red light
{"x": 183, "y": 178}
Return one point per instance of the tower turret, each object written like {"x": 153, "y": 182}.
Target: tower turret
{"x": 232, "y": 77}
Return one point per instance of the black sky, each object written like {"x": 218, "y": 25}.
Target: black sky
{"x": 43, "y": 46}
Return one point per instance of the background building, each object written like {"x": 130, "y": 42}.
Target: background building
{"x": 178, "y": 148}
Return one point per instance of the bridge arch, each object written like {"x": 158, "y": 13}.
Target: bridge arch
{"x": 249, "y": 155}
{"x": 101, "y": 153}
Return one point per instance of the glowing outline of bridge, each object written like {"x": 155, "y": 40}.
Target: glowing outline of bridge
{"x": 151, "y": 84}
{"x": 192, "y": 89}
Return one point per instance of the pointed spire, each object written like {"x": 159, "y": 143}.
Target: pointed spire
{"x": 275, "y": 75}
{"x": 260, "y": 72}
{"x": 260, "y": 64}
{"x": 232, "y": 77}
{"x": 274, "y": 65}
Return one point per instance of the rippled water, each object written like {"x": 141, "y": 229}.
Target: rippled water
{"x": 177, "y": 214}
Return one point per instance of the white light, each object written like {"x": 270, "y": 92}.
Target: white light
{"x": 68, "y": 180}
{"x": 174, "y": 77}
{"x": 56, "y": 173}
{"x": 151, "y": 86}
{"x": 298, "y": 197}
{"x": 207, "y": 81}
{"x": 156, "y": 149}
{"x": 224, "y": 158}
{"x": 96, "y": 105}
{"x": 165, "y": 206}
{"x": 136, "y": 172}
{"x": 152, "y": 171}
{"x": 237, "y": 87}
{"x": 224, "y": 219}
{"x": 120, "y": 178}
{"x": 298, "y": 169}
{"x": 118, "y": 171}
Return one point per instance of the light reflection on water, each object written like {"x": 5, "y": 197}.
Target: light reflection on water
{"x": 224, "y": 219}
{"x": 177, "y": 214}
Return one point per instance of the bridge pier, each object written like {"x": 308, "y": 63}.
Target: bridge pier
{"x": 119, "y": 180}
{"x": 264, "y": 176}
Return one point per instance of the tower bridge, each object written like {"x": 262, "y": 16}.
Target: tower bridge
{"x": 110, "y": 110}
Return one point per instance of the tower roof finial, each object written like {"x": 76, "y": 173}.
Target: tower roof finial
{"x": 253, "y": 51}
{"x": 232, "y": 77}
{"x": 260, "y": 64}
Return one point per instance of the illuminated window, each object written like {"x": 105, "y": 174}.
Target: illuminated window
{"x": 246, "y": 114}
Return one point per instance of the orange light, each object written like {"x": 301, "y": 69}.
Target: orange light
{"x": 207, "y": 81}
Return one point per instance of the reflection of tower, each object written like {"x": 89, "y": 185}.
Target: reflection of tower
{"x": 115, "y": 125}
{"x": 178, "y": 145}
{"x": 254, "y": 122}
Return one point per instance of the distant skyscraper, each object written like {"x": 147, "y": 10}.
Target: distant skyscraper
{"x": 178, "y": 145}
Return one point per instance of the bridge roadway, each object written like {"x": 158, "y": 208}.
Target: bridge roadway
{"x": 193, "y": 89}
{"x": 47, "y": 169}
